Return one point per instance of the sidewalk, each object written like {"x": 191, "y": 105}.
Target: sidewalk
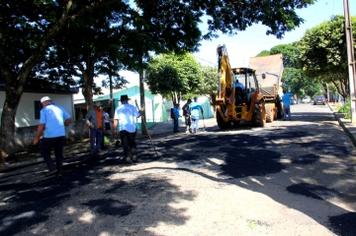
{"x": 347, "y": 126}
{"x": 29, "y": 157}
{"x": 166, "y": 127}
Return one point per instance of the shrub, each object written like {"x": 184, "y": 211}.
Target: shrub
{"x": 346, "y": 109}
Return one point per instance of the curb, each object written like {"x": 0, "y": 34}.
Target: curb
{"x": 343, "y": 126}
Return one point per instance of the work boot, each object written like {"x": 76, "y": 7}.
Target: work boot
{"x": 128, "y": 159}
{"x": 134, "y": 156}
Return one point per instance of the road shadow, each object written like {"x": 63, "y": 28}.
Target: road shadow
{"x": 31, "y": 199}
{"x": 301, "y": 154}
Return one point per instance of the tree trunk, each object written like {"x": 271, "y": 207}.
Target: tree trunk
{"x": 112, "y": 107}
{"x": 88, "y": 81}
{"x": 341, "y": 87}
{"x": 7, "y": 129}
{"x": 142, "y": 102}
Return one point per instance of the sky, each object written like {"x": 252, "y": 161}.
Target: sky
{"x": 249, "y": 43}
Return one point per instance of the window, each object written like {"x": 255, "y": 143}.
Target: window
{"x": 251, "y": 82}
{"x": 38, "y": 108}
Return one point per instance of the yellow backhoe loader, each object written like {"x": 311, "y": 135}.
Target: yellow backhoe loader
{"x": 239, "y": 97}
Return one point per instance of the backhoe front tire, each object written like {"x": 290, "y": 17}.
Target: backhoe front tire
{"x": 221, "y": 123}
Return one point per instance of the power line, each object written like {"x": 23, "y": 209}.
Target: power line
{"x": 202, "y": 59}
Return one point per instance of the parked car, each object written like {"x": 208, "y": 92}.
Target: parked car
{"x": 306, "y": 99}
{"x": 319, "y": 100}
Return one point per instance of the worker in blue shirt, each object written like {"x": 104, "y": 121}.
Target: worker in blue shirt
{"x": 286, "y": 99}
{"x": 51, "y": 133}
{"x": 195, "y": 110}
{"x": 175, "y": 117}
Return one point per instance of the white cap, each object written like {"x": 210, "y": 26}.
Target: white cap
{"x": 45, "y": 98}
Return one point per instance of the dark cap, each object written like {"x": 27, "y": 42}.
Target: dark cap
{"x": 124, "y": 98}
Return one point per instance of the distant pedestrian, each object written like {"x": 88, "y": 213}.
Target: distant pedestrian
{"x": 51, "y": 133}
{"x": 195, "y": 110}
{"x": 107, "y": 128}
{"x": 95, "y": 122}
{"x": 107, "y": 124}
{"x": 186, "y": 114}
{"x": 175, "y": 117}
{"x": 286, "y": 99}
{"x": 125, "y": 121}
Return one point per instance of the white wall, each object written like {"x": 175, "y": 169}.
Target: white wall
{"x": 25, "y": 115}
{"x": 149, "y": 103}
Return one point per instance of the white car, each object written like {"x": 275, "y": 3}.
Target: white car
{"x": 306, "y": 99}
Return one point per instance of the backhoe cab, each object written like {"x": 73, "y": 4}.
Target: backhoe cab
{"x": 239, "y": 97}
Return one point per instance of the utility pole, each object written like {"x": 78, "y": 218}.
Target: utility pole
{"x": 350, "y": 59}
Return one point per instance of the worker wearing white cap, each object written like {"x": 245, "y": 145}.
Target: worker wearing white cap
{"x": 51, "y": 132}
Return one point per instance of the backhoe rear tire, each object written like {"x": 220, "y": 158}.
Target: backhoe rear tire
{"x": 259, "y": 116}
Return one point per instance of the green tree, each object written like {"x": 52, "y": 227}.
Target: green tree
{"x": 323, "y": 53}
{"x": 263, "y": 53}
{"x": 174, "y": 75}
{"x": 295, "y": 81}
{"x": 91, "y": 47}
{"x": 209, "y": 83}
{"x": 28, "y": 30}
{"x": 290, "y": 52}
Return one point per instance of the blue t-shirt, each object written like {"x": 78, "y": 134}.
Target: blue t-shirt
{"x": 195, "y": 109}
{"x": 176, "y": 112}
{"x": 286, "y": 99}
{"x": 237, "y": 84}
{"x": 53, "y": 118}
{"x": 126, "y": 115}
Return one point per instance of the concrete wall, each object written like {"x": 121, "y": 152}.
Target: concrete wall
{"x": 24, "y": 135}
{"x": 26, "y": 123}
{"x": 25, "y": 115}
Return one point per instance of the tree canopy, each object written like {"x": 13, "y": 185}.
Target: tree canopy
{"x": 174, "y": 75}
{"x": 323, "y": 53}
{"x": 209, "y": 83}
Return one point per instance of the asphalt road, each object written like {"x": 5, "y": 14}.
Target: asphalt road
{"x": 290, "y": 178}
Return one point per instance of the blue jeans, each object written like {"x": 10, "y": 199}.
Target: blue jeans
{"x": 96, "y": 136}
{"x": 46, "y": 146}
{"x": 175, "y": 125}
{"x": 195, "y": 124}
{"x": 287, "y": 114}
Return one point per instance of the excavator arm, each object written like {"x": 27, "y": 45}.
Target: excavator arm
{"x": 225, "y": 93}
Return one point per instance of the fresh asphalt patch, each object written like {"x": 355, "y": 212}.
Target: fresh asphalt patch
{"x": 311, "y": 190}
{"x": 306, "y": 159}
{"x": 344, "y": 225}
{"x": 247, "y": 162}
